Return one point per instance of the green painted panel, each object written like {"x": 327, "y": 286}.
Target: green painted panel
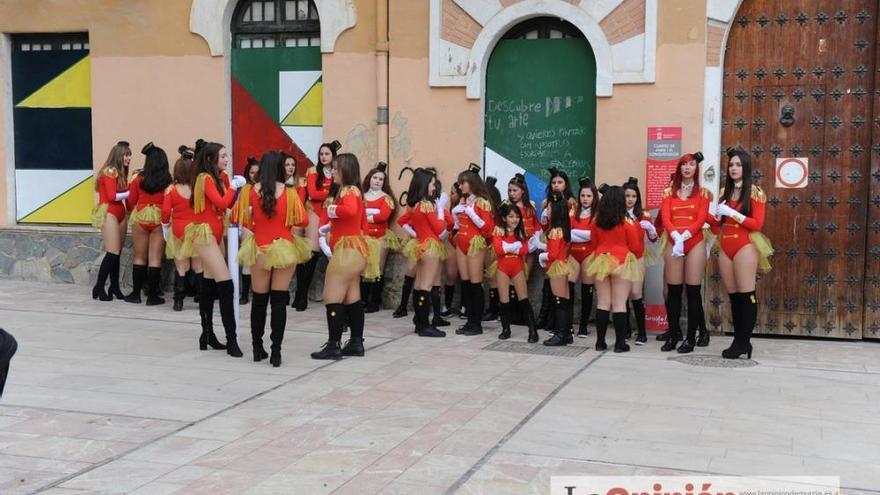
{"x": 257, "y": 70}
{"x": 540, "y": 107}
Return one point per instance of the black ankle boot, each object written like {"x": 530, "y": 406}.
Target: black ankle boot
{"x": 244, "y": 296}
{"x": 563, "y": 329}
{"x": 546, "y": 302}
{"x": 586, "y": 308}
{"x": 405, "y": 292}
{"x": 278, "y": 321}
{"x": 227, "y": 314}
{"x": 207, "y": 291}
{"x": 258, "y": 324}
{"x": 673, "y": 316}
{"x": 335, "y": 320}
{"x": 354, "y": 315}
{"x": 437, "y": 308}
{"x": 526, "y": 308}
{"x": 492, "y": 313}
{"x": 639, "y": 313}
{"x": 138, "y": 275}
{"x": 620, "y": 344}
{"x": 504, "y": 310}
{"x": 154, "y": 286}
{"x": 602, "y": 316}
{"x": 179, "y": 291}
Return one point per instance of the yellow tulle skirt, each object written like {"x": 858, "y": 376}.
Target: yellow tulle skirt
{"x": 373, "y": 271}
{"x": 415, "y": 250}
{"x": 172, "y": 246}
{"x": 492, "y": 264}
{"x": 148, "y": 215}
{"x": 351, "y": 256}
{"x": 195, "y": 233}
{"x": 559, "y": 268}
{"x": 99, "y": 214}
{"x": 393, "y": 242}
{"x": 280, "y": 253}
{"x": 765, "y": 250}
{"x": 603, "y": 265}
{"x": 477, "y": 245}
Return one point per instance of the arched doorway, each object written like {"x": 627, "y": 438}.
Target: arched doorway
{"x": 540, "y": 103}
{"x": 799, "y": 82}
{"x": 277, "y": 97}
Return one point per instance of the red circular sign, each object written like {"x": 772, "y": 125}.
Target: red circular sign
{"x": 791, "y": 163}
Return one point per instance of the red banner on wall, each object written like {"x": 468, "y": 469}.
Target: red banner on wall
{"x": 664, "y": 149}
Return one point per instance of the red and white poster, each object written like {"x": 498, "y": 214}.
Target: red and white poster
{"x": 664, "y": 150}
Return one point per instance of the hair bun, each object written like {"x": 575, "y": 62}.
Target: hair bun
{"x": 698, "y": 156}
{"x": 731, "y": 152}
{"x": 252, "y": 161}
{"x": 473, "y": 167}
{"x": 382, "y": 167}
{"x": 604, "y": 188}
{"x": 148, "y": 148}
{"x": 200, "y": 143}
{"x": 633, "y": 180}
{"x": 491, "y": 181}
{"x": 123, "y": 143}
{"x": 585, "y": 182}
{"x": 518, "y": 179}
{"x": 335, "y": 145}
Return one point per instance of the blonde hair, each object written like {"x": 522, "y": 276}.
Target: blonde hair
{"x": 116, "y": 161}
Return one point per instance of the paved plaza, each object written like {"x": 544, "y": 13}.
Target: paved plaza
{"x": 117, "y": 398}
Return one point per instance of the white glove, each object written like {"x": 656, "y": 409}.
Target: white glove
{"x": 545, "y": 216}
{"x": 373, "y": 211}
{"x": 543, "y": 259}
{"x": 323, "y": 229}
{"x": 649, "y": 228}
{"x": 443, "y": 200}
{"x": 510, "y": 248}
{"x": 122, "y": 196}
{"x": 331, "y": 211}
{"x": 725, "y": 211}
{"x": 686, "y": 235}
{"x": 444, "y": 235}
{"x": 456, "y": 224}
{"x": 471, "y": 212}
{"x": 165, "y": 229}
{"x": 458, "y": 209}
{"x": 440, "y": 209}
{"x": 237, "y": 182}
{"x": 536, "y": 240}
{"x": 580, "y": 235}
{"x": 409, "y": 230}
{"x": 713, "y": 210}
{"x": 325, "y": 247}
{"x": 676, "y": 236}
{"x": 678, "y": 248}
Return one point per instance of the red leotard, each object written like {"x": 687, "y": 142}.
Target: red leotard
{"x": 423, "y": 219}
{"x": 379, "y": 227}
{"x": 267, "y": 229}
{"x": 736, "y": 235}
{"x": 108, "y": 186}
{"x": 177, "y": 210}
{"x": 214, "y": 206}
{"x": 581, "y": 250}
{"x": 686, "y": 214}
{"x": 467, "y": 230}
{"x": 645, "y": 216}
{"x": 138, "y": 200}
{"x": 317, "y": 195}
{"x": 623, "y": 239}
{"x": 349, "y": 215}
{"x": 511, "y": 264}
{"x": 557, "y": 246}
{"x": 530, "y": 219}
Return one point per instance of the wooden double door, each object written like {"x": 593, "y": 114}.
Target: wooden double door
{"x": 799, "y": 81}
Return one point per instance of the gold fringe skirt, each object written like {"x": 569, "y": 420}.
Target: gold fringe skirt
{"x": 477, "y": 245}
{"x": 373, "y": 271}
{"x": 765, "y": 250}
{"x": 559, "y": 268}
{"x": 195, "y": 233}
{"x": 414, "y": 250}
{"x": 99, "y": 214}
{"x": 492, "y": 266}
{"x": 393, "y": 242}
{"x": 351, "y": 256}
{"x": 606, "y": 264}
{"x": 281, "y": 253}
{"x": 148, "y": 215}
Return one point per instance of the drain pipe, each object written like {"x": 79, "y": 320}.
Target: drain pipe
{"x": 382, "y": 89}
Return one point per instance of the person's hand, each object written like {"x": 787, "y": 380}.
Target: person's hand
{"x": 458, "y": 209}
{"x": 444, "y": 235}
{"x": 323, "y": 229}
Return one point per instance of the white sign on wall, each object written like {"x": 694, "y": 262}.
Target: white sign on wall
{"x": 792, "y": 173}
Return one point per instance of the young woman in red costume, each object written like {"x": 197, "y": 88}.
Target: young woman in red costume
{"x": 177, "y": 211}
{"x": 518, "y": 194}
{"x": 342, "y": 241}
{"x": 492, "y": 312}
{"x": 252, "y": 175}
{"x": 271, "y": 210}
{"x": 558, "y": 184}
{"x": 475, "y": 225}
{"x": 380, "y": 207}
{"x": 685, "y": 208}
{"x": 427, "y": 220}
{"x": 319, "y": 180}
{"x": 642, "y": 218}
{"x": 451, "y": 263}
{"x": 209, "y": 200}
{"x": 511, "y": 247}
{"x": 744, "y": 249}
{"x": 146, "y": 194}
{"x": 614, "y": 264}
{"x": 555, "y": 260}
{"x": 109, "y": 216}
{"x": 582, "y": 248}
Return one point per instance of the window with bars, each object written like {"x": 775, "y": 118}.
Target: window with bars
{"x": 51, "y": 42}
{"x": 276, "y": 23}
{"x": 544, "y": 28}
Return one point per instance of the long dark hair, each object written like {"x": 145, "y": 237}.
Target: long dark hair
{"x": 477, "y": 186}
{"x": 333, "y": 147}
{"x": 612, "y": 208}
{"x": 587, "y": 183}
{"x": 555, "y": 172}
{"x": 494, "y": 193}
{"x": 633, "y": 184}
{"x": 251, "y": 162}
{"x": 504, "y": 209}
{"x": 271, "y": 172}
{"x": 745, "y": 195}
{"x": 519, "y": 180}
{"x": 349, "y": 169}
{"x": 156, "y": 174}
{"x": 207, "y": 156}
{"x": 386, "y": 186}
{"x": 418, "y": 187}
{"x": 676, "y": 177}
{"x": 559, "y": 214}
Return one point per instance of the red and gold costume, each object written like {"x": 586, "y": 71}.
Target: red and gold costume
{"x": 617, "y": 252}
{"x": 581, "y": 221}
{"x": 351, "y": 254}
{"x": 209, "y": 212}
{"x": 378, "y": 229}
{"x": 557, "y": 254}
{"x": 273, "y": 237}
{"x": 531, "y": 223}
{"x": 145, "y": 208}
{"x": 317, "y": 194}
{"x": 177, "y": 211}
{"x": 108, "y": 186}
{"x": 423, "y": 219}
{"x": 686, "y": 215}
{"x": 471, "y": 240}
{"x": 510, "y": 264}
{"x": 735, "y": 235}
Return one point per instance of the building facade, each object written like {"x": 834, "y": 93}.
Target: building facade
{"x": 514, "y": 85}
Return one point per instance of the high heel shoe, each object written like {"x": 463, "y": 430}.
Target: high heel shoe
{"x": 99, "y": 294}
{"x": 114, "y": 292}
{"x": 734, "y": 351}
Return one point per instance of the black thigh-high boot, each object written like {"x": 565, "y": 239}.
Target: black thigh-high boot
{"x": 673, "y": 316}
{"x": 570, "y": 317}
{"x": 259, "y": 307}
{"x": 225, "y": 296}
{"x": 586, "y": 308}
{"x": 335, "y": 320}
{"x": 437, "y": 308}
{"x": 639, "y": 313}
{"x": 448, "y": 297}
{"x": 526, "y": 309}
{"x": 304, "y": 282}
{"x": 245, "y": 295}
{"x": 695, "y": 309}
{"x": 602, "y": 316}
{"x": 475, "y": 310}
{"x": 374, "y": 297}
{"x": 207, "y": 293}
{"x": 197, "y": 284}
{"x": 179, "y": 291}
{"x": 627, "y": 328}
{"x": 517, "y": 317}
{"x": 154, "y": 286}
{"x": 466, "y": 295}
{"x": 277, "y": 322}
{"x": 745, "y": 315}
{"x": 98, "y": 291}
{"x": 562, "y": 335}
{"x": 464, "y": 287}
{"x": 113, "y": 290}
{"x": 138, "y": 275}
{"x": 546, "y": 305}
{"x": 354, "y": 314}
{"x": 504, "y": 310}
{"x": 491, "y": 313}
{"x": 703, "y": 332}
{"x": 8, "y": 347}
{"x": 191, "y": 283}
{"x": 405, "y": 292}
{"x": 620, "y": 344}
